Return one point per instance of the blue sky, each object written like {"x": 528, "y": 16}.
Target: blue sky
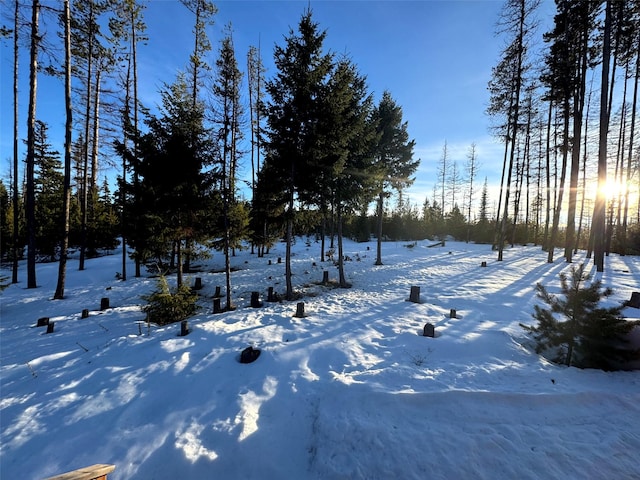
{"x": 434, "y": 56}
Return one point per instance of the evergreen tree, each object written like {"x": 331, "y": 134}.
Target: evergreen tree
{"x": 166, "y": 305}
{"x": 174, "y": 189}
{"x": 456, "y": 223}
{"x": 228, "y": 121}
{"x": 483, "y": 226}
{"x": 345, "y": 148}
{"x": 587, "y": 335}
{"x": 393, "y": 156}
{"x": 292, "y": 115}
{"x": 48, "y": 193}
{"x": 106, "y": 220}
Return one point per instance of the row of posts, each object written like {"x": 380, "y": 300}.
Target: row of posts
{"x": 45, "y": 321}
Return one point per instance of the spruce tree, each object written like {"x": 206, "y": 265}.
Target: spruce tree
{"x": 48, "y": 193}
{"x": 292, "y": 115}
{"x": 576, "y": 330}
{"x": 174, "y": 187}
{"x": 393, "y": 156}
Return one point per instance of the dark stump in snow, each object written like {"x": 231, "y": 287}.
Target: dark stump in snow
{"x": 299, "y": 310}
{"x": 429, "y": 330}
{"x": 216, "y": 305}
{"x": 42, "y": 322}
{"x": 184, "y": 328}
{"x": 271, "y": 296}
{"x": 104, "y": 303}
{"x": 249, "y": 355}
{"x": 415, "y": 295}
{"x": 255, "y": 300}
{"x": 85, "y": 313}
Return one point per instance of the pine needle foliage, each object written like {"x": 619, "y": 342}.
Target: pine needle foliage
{"x": 166, "y": 306}
{"x": 576, "y": 330}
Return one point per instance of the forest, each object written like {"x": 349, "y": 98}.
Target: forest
{"x": 325, "y": 159}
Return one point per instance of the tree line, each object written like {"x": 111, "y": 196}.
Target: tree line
{"x": 553, "y": 107}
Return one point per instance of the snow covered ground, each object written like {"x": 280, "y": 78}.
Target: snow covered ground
{"x": 351, "y": 391}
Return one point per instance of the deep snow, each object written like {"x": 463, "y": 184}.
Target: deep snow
{"x": 353, "y": 390}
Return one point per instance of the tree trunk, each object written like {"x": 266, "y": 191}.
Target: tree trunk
{"x": 62, "y": 267}
{"x": 516, "y": 111}
{"x": 134, "y": 51}
{"x": 547, "y": 218}
{"x": 16, "y": 205}
{"x": 342, "y": 278}
{"x": 289, "y": 239}
{"x": 630, "y": 157}
{"x": 85, "y": 153}
{"x": 380, "y": 213}
{"x": 179, "y": 262}
{"x": 599, "y": 208}
{"x": 584, "y": 169}
{"x": 322, "y": 235}
{"x": 563, "y": 176}
{"x": 496, "y": 231}
{"x": 30, "y": 200}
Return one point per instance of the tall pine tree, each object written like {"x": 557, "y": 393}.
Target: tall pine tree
{"x": 394, "y": 163}
{"x": 292, "y": 116}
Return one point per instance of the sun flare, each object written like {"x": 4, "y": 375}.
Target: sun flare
{"x": 613, "y": 189}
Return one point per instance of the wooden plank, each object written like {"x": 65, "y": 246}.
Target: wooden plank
{"x": 94, "y": 472}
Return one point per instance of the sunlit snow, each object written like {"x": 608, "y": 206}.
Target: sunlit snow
{"x": 351, "y": 391}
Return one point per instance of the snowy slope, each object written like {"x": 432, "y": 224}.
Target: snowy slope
{"x": 353, "y": 390}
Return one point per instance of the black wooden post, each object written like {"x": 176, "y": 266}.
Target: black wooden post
{"x": 483, "y": 264}
{"x": 270, "y": 296}
{"x": 635, "y": 300}
{"x": 184, "y": 328}
{"x": 216, "y": 305}
{"x": 452, "y": 313}
{"x": 50, "y": 327}
{"x": 299, "y": 310}
{"x": 198, "y": 284}
{"x": 43, "y": 322}
{"x": 279, "y": 259}
{"x": 429, "y": 330}
{"x": 415, "y": 295}
{"x": 104, "y": 303}
{"x": 255, "y": 300}
{"x": 85, "y": 313}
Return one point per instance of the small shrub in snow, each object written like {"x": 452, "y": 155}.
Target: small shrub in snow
{"x": 584, "y": 335}
{"x": 165, "y": 306}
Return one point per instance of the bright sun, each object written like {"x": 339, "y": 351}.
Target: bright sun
{"x": 612, "y": 189}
